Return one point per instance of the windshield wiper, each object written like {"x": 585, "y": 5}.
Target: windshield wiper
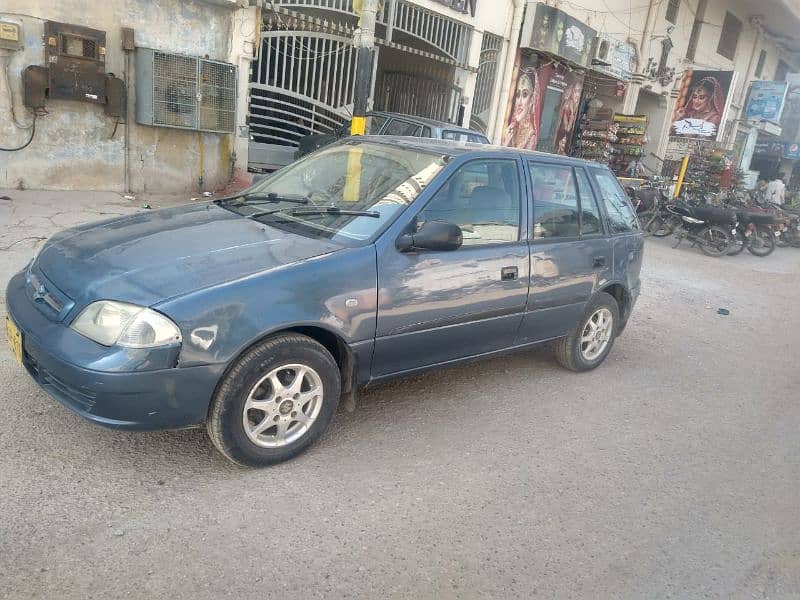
{"x": 259, "y": 198}
{"x": 334, "y": 210}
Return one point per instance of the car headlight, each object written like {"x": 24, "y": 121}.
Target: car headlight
{"x": 121, "y": 324}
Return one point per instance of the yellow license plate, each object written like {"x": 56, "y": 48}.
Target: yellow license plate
{"x": 14, "y": 339}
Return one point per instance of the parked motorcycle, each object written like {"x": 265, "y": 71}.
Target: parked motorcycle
{"x": 711, "y": 229}
{"x": 753, "y": 231}
{"x": 651, "y": 203}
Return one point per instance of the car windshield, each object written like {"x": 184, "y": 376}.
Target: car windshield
{"x": 353, "y": 191}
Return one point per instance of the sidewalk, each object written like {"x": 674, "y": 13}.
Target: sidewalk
{"x": 29, "y": 217}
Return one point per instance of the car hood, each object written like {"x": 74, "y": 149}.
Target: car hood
{"x": 152, "y": 256}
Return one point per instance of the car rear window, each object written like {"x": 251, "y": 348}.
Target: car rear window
{"x": 621, "y": 217}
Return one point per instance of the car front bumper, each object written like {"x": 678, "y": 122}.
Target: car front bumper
{"x": 118, "y": 388}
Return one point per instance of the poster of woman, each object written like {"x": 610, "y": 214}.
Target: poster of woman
{"x": 702, "y": 103}
{"x": 525, "y": 104}
{"x": 570, "y": 104}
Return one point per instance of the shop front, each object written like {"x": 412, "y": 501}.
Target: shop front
{"x": 568, "y": 86}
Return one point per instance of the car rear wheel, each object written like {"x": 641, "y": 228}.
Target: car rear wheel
{"x": 588, "y": 345}
{"x": 275, "y": 402}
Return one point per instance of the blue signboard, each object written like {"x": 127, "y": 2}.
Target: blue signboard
{"x": 766, "y": 101}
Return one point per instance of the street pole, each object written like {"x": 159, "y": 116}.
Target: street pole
{"x": 365, "y": 47}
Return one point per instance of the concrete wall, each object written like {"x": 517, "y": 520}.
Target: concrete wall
{"x": 73, "y": 147}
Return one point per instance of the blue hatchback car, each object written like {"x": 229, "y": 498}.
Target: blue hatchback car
{"x": 372, "y": 258}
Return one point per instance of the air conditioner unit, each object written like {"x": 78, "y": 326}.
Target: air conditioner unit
{"x": 601, "y": 51}
{"x": 185, "y": 92}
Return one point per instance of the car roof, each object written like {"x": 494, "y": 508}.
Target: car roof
{"x": 455, "y": 148}
{"x": 424, "y": 121}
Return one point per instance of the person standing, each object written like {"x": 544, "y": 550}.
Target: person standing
{"x": 776, "y": 190}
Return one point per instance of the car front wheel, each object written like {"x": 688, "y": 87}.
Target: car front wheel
{"x": 275, "y": 402}
{"x": 587, "y": 346}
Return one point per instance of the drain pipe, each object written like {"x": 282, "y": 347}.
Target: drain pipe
{"x": 508, "y": 70}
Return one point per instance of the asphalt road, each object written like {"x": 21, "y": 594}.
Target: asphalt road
{"x": 671, "y": 471}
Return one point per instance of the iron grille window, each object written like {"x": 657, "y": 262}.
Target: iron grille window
{"x": 729, "y": 39}
{"x": 762, "y": 58}
{"x": 187, "y": 92}
{"x": 699, "y": 14}
{"x": 672, "y": 11}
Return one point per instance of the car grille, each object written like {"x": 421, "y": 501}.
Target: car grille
{"x": 51, "y": 301}
{"x": 83, "y": 399}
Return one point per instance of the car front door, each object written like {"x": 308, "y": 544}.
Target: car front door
{"x": 439, "y": 306}
{"x": 570, "y": 253}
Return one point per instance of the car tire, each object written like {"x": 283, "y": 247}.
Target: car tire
{"x": 576, "y": 351}
{"x": 289, "y": 380}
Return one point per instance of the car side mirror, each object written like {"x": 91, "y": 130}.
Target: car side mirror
{"x": 432, "y": 235}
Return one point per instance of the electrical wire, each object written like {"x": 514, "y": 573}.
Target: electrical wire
{"x": 26, "y": 144}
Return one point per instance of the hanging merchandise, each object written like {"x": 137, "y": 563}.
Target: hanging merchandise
{"x": 629, "y": 147}
{"x": 597, "y": 136}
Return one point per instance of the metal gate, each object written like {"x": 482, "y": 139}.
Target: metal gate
{"x": 484, "y": 85}
{"x": 302, "y": 84}
{"x": 412, "y": 94}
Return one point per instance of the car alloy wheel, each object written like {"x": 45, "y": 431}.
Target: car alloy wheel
{"x": 282, "y": 406}
{"x": 596, "y": 334}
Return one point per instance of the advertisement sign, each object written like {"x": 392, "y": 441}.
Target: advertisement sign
{"x": 766, "y": 100}
{"x": 532, "y": 82}
{"x": 524, "y": 112}
{"x": 702, "y": 104}
{"x": 621, "y": 57}
{"x": 552, "y": 30}
{"x": 778, "y": 150}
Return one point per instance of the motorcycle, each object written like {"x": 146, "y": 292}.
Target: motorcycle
{"x": 651, "y": 204}
{"x": 754, "y": 231}
{"x": 711, "y": 229}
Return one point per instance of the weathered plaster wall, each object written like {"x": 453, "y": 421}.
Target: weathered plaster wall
{"x": 73, "y": 148}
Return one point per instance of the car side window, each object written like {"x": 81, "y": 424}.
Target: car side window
{"x": 398, "y": 127}
{"x": 555, "y": 202}
{"x": 483, "y": 198}
{"x": 621, "y": 217}
{"x": 590, "y": 212}
{"x": 426, "y": 132}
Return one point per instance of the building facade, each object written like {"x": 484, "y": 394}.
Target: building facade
{"x": 74, "y": 62}
{"x": 441, "y": 59}
{"x": 649, "y": 61}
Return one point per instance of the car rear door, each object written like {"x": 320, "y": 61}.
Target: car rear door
{"x": 438, "y": 306}
{"x": 570, "y": 252}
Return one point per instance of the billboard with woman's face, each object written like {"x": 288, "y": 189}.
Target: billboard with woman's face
{"x": 525, "y": 103}
{"x": 702, "y": 103}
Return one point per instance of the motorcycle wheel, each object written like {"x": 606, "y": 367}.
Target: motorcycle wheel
{"x": 762, "y": 242}
{"x": 714, "y": 241}
{"x": 662, "y": 227}
{"x": 738, "y": 243}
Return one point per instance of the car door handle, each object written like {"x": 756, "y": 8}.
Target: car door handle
{"x": 509, "y": 273}
{"x": 599, "y": 261}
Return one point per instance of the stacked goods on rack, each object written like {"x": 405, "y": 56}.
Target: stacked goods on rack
{"x": 629, "y": 147}
{"x": 598, "y": 134}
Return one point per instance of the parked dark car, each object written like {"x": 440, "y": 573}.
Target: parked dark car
{"x": 396, "y": 124}
{"x": 374, "y": 258}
